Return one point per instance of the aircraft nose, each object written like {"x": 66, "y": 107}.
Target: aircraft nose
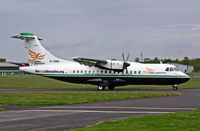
{"x": 187, "y": 77}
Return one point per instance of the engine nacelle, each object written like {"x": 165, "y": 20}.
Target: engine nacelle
{"x": 114, "y": 65}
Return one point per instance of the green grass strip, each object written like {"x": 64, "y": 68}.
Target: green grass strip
{"x": 36, "y": 82}
{"x": 2, "y": 109}
{"x": 59, "y": 98}
{"x": 180, "y": 121}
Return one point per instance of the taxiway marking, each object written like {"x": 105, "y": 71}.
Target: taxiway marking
{"x": 114, "y": 107}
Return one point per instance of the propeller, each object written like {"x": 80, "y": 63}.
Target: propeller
{"x": 125, "y": 64}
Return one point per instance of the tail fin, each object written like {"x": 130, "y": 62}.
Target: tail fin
{"x": 37, "y": 54}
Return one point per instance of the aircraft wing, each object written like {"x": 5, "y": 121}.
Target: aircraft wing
{"x": 90, "y": 62}
{"x": 112, "y": 64}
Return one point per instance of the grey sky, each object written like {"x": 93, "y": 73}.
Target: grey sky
{"x": 103, "y": 28}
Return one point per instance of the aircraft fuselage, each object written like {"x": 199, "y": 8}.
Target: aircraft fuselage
{"x": 138, "y": 73}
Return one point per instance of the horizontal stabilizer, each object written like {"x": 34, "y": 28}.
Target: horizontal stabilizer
{"x": 25, "y": 36}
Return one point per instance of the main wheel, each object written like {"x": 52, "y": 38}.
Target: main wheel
{"x": 101, "y": 87}
{"x": 175, "y": 87}
{"x": 111, "y": 87}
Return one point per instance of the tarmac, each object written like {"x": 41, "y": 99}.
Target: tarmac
{"x": 58, "y": 118}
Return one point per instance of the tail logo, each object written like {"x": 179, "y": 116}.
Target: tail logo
{"x": 35, "y": 57}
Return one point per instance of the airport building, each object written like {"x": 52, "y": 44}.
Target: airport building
{"x": 8, "y": 67}
{"x": 184, "y": 68}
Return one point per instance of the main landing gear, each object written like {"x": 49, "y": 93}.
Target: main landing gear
{"x": 175, "y": 87}
{"x": 111, "y": 87}
{"x": 101, "y": 87}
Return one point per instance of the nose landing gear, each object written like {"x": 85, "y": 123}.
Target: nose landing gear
{"x": 175, "y": 87}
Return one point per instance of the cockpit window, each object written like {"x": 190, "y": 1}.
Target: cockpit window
{"x": 176, "y": 69}
{"x": 172, "y": 69}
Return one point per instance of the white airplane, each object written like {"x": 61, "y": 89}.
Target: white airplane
{"x": 103, "y": 73}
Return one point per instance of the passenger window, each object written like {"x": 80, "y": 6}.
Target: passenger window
{"x": 105, "y": 71}
{"x": 167, "y": 69}
{"x": 89, "y": 71}
{"x": 171, "y": 69}
{"x": 101, "y": 71}
{"x": 77, "y": 71}
{"x": 139, "y": 72}
{"x": 135, "y": 72}
{"x": 130, "y": 72}
{"x": 73, "y": 71}
{"x": 81, "y": 71}
{"x": 85, "y": 71}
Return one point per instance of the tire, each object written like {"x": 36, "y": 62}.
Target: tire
{"x": 101, "y": 87}
{"x": 111, "y": 87}
{"x": 175, "y": 87}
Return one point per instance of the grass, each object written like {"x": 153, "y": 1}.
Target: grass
{"x": 194, "y": 74}
{"x": 180, "y": 121}
{"x": 2, "y": 109}
{"x": 37, "y": 82}
{"x": 59, "y": 98}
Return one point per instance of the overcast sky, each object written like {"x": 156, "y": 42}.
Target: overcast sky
{"x": 103, "y": 28}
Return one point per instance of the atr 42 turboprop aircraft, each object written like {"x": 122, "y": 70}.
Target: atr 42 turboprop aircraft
{"x": 103, "y": 73}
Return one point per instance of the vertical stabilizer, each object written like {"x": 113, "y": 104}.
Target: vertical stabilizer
{"x": 37, "y": 54}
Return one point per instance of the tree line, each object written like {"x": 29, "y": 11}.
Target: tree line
{"x": 186, "y": 61}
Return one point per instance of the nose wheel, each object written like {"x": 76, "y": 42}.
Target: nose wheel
{"x": 175, "y": 87}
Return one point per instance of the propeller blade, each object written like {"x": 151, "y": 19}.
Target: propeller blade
{"x": 123, "y": 56}
{"x": 125, "y": 64}
{"x": 126, "y": 70}
{"x": 127, "y": 57}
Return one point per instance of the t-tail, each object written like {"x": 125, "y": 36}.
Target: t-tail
{"x": 37, "y": 54}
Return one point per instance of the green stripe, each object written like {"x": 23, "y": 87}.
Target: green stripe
{"x": 27, "y": 34}
{"x": 93, "y": 75}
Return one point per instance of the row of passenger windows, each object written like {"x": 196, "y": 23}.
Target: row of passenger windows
{"x": 171, "y": 69}
{"x": 102, "y": 72}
